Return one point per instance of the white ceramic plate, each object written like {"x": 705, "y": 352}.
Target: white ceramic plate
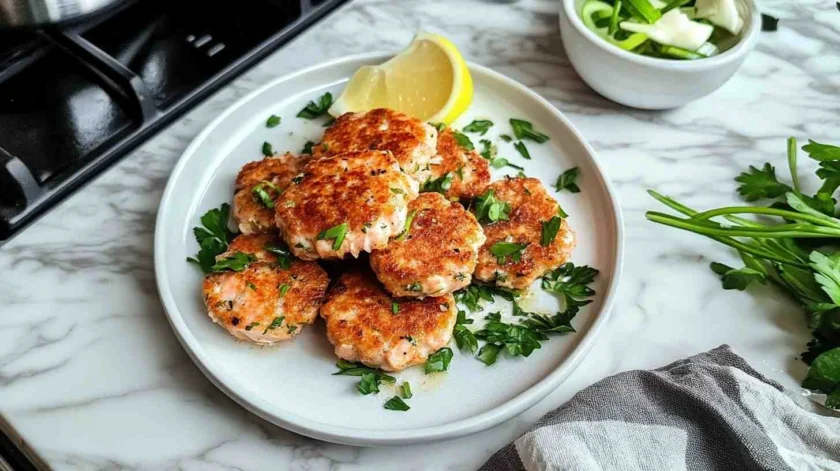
{"x": 291, "y": 384}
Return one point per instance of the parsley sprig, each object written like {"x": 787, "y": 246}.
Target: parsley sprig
{"x": 440, "y": 185}
{"x": 480, "y": 126}
{"x": 793, "y": 246}
{"x": 489, "y": 209}
{"x": 313, "y": 110}
{"x": 213, "y": 238}
{"x": 370, "y": 378}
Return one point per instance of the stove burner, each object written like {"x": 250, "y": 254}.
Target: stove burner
{"x": 73, "y": 101}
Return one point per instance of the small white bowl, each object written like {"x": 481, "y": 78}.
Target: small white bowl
{"x": 647, "y": 82}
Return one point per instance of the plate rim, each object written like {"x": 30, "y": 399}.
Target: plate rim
{"x": 358, "y": 437}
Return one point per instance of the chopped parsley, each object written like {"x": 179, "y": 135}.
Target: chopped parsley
{"x": 267, "y": 149}
{"x": 549, "y": 230}
{"x": 291, "y": 328}
{"x": 571, "y": 283}
{"x": 464, "y": 338}
{"x": 489, "y": 209}
{"x": 408, "y": 220}
{"x": 567, "y": 180}
{"x": 273, "y": 121}
{"x": 438, "y": 185}
{"x": 405, "y": 390}
{"x": 414, "y": 287}
{"x": 371, "y": 378}
{"x": 251, "y": 325}
{"x": 307, "y": 148}
{"x": 474, "y": 293}
{"x": 369, "y": 383}
{"x": 439, "y": 126}
{"x": 336, "y": 234}
{"x": 277, "y": 322}
{"x": 262, "y": 196}
{"x": 490, "y": 151}
{"x": 463, "y": 140}
{"x": 284, "y": 255}
{"x": 504, "y": 250}
{"x": 283, "y": 289}
{"x": 236, "y": 262}
{"x": 480, "y": 126}
{"x": 213, "y": 238}
{"x": 251, "y": 285}
{"x": 313, "y": 110}
{"x": 489, "y": 353}
{"x": 523, "y": 151}
{"x": 505, "y": 138}
{"x": 525, "y": 130}
{"x": 395, "y": 307}
{"x": 395, "y": 403}
{"x": 438, "y": 361}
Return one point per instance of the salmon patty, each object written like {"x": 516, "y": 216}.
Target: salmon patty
{"x": 268, "y": 301}
{"x": 345, "y": 204}
{"x": 411, "y": 141}
{"x": 366, "y": 324}
{"x": 467, "y": 172}
{"x": 257, "y": 187}
{"x": 520, "y": 258}
{"x": 436, "y": 255}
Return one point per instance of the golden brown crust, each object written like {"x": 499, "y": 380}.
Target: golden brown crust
{"x": 470, "y": 171}
{"x": 437, "y": 256}
{"x": 363, "y": 327}
{"x": 366, "y": 190}
{"x": 411, "y": 141}
{"x": 251, "y": 215}
{"x": 530, "y": 206}
{"x": 247, "y": 302}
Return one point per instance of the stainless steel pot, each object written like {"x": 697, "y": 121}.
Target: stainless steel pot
{"x": 23, "y": 13}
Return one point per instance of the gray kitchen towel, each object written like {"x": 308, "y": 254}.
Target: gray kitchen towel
{"x": 710, "y": 411}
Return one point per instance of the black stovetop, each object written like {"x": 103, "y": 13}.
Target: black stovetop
{"x": 75, "y": 99}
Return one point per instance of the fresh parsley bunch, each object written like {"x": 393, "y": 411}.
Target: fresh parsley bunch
{"x": 794, "y": 246}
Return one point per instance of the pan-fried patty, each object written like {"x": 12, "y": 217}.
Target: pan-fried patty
{"x": 530, "y": 206}
{"x": 349, "y": 203}
{"x": 468, "y": 172}
{"x": 270, "y": 175}
{"x": 366, "y": 324}
{"x": 438, "y": 253}
{"x": 410, "y": 140}
{"x": 264, "y": 303}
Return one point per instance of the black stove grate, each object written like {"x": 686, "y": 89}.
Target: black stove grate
{"x": 73, "y": 101}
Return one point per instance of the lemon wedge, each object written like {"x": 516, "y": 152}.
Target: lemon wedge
{"x": 429, "y": 80}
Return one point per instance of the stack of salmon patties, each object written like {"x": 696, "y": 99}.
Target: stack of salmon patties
{"x": 358, "y": 197}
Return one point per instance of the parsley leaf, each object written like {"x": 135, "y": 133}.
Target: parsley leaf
{"x": 439, "y": 185}
{"x": 566, "y": 180}
{"x": 503, "y": 250}
{"x": 516, "y": 340}
{"x": 369, "y": 383}
{"x": 489, "y": 209}
{"x": 479, "y": 126}
{"x": 821, "y": 152}
{"x": 571, "y": 283}
{"x": 827, "y": 273}
{"x": 236, "y": 262}
{"x": 313, "y": 110}
{"x": 769, "y": 23}
{"x": 405, "y": 390}
{"x": 395, "y": 403}
{"x": 737, "y": 279}
{"x": 824, "y": 375}
{"x": 464, "y": 337}
{"x": 282, "y": 290}
{"x": 395, "y": 307}
{"x": 284, "y": 255}
{"x": 273, "y": 121}
{"x": 371, "y": 378}
{"x": 438, "y": 361}
{"x": 505, "y": 138}
{"x": 472, "y": 295}
{"x": 549, "y": 230}
{"x": 559, "y": 323}
{"x": 489, "y": 353}
{"x": 439, "y": 126}
{"x": 525, "y": 130}
{"x": 523, "y": 151}
{"x": 760, "y": 183}
{"x": 463, "y": 140}
{"x": 490, "y": 151}
{"x": 336, "y": 233}
{"x": 213, "y": 238}
{"x": 267, "y": 149}
{"x": 307, "y": 148}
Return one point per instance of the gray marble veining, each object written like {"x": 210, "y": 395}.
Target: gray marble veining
{"x": 93, "y": 378}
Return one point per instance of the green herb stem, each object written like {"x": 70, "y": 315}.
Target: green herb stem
{"x": 705, "y": 215}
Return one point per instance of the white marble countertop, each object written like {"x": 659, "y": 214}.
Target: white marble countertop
{"x": 92, "y": 376}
